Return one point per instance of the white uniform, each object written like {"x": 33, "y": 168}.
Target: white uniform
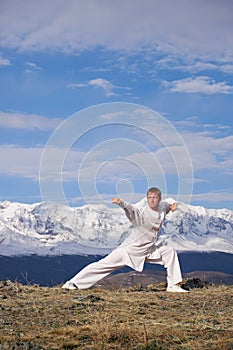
{"x": 138, "y": 248}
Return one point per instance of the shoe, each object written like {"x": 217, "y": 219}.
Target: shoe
{"x": 69, "y": 285}
{"x": 176, "y": 289}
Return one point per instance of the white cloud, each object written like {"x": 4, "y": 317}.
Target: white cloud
{"x": 76, "y": 85}
{"x": 113, "y": 116}
{"x": 32, "y": 67}
{"x": 20, "y": 161}
{"x": 194, "y": 64}
{"x": 213, "y": 197}
{"x": 182, "y": 27}
{"x": 190, "y": 64}
{"x": 25, "y": 162}
{"x": 210, "y": 156}
{"x": 201, "y": 84}
{"x": 104, "y": 84}
{"x": 227, "y": 68}
{"x": 208, "y": 152}
{"x": 4, "y": 61}
{"x": 17, "y": 120}
{"x": 203, "y": 66}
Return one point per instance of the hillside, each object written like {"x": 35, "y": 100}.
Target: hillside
{"x": 49, "y": 271}
{"x": 148, "y": 318}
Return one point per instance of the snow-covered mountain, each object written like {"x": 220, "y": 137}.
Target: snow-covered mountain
{"x": 53, "y": 229}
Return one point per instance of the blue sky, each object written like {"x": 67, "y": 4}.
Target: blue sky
{"x": 85, "y": 70}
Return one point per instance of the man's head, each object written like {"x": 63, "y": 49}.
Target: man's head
{"x": 153, "y": 197}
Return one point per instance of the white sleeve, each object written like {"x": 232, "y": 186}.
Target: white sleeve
{"x": 170, "y": 201}
{"x": 132, "y": 212}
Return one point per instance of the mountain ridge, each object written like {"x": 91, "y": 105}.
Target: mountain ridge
{"x": 54, "y": 229}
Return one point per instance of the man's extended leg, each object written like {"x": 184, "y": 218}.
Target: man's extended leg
{"x": 94, "y": 272}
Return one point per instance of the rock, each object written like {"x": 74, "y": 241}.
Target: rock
{"x": 194, "y": 283}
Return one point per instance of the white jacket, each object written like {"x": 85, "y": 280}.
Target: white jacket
{"x": 147, "y": 223}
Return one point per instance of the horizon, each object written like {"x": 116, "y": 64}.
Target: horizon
{"x": 110, "y": 206}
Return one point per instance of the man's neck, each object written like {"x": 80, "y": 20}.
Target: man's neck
{"x": 154, "y": 208}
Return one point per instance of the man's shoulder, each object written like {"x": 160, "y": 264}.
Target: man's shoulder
{"x": 141, "y": 204}
{"x": 164, "y": 206}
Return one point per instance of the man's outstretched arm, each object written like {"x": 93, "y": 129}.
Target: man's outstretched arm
{"x": 131, "y": 211}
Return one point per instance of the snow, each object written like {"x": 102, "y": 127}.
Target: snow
{"x": 54, "y": 229}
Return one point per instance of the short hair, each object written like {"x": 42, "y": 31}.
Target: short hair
{"x": 154, "y": 190}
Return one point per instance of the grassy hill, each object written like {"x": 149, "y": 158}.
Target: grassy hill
{"x": 136, "y": 317}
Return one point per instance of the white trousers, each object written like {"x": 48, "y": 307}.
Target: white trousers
{"x": 94, "y": 272}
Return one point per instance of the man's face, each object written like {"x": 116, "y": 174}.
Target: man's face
{"x": 153, "y": 200}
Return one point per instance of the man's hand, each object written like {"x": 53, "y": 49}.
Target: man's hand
{"x": 116, "y": 200}
{"x": 173, "y": 206}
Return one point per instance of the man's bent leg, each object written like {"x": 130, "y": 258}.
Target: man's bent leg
{"x": 167, "y": 256}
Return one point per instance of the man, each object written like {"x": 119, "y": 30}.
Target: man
{"x": 139, "y": 247}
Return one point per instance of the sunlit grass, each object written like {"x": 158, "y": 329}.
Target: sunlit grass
{"x": 33, "y": 317}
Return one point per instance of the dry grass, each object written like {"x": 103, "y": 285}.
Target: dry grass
{"x": 33, "y": 317}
